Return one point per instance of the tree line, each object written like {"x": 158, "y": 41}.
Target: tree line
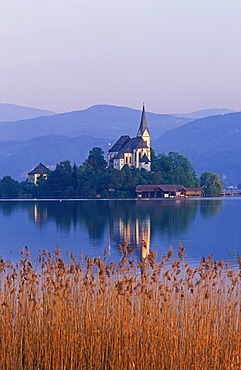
{"x": 93, "y": 179}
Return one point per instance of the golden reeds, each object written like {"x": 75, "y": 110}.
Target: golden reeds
{"x": 90, "y": 315}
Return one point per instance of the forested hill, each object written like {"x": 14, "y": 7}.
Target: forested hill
{"x": 101, "y": 121}
{"x": 212, "y": 144}
{"x": 12, "y": 112}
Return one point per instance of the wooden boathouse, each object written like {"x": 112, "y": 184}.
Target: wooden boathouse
{"x": 167, "y": 191}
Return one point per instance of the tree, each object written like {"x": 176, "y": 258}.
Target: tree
{"x": 154, "y": 161}
{"x": 174, "y": 168}
{"x": 59, "y": 182}
{"x": 87, "y": 180}
{"x": 116, "y": 181}
{"x": 96, "y": 159}
{"x": 211, "y": 183}
{"x": 75, "y": 177}
{"x": 9, "y": 188}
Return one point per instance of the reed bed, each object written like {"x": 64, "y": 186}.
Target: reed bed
{"x": 90, "y": 315}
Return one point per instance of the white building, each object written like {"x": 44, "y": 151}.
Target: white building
{"x": 135, "y": 152}
{"x": 41, "y": 171}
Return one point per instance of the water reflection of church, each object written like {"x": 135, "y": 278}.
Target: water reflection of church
{"x": 136, "y": 233}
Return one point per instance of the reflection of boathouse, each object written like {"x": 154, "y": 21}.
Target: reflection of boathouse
{"x": 166, "y": 191}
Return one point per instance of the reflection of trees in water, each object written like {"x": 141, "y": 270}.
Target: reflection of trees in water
{"x": 209, "y": 208}
{"x": 8, "y": 207}
{"x": 91, "y": 214}
{"x": 67, "y": 214}
{"x": 94, "y": 216}
{"x": 167, "y": 216}
{"x": 140, "y": 220}
{"x": 174, "y": 216}
{"x": 123, "y": 220}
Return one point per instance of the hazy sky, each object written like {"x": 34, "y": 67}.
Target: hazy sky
{"x": 175, "y": 55}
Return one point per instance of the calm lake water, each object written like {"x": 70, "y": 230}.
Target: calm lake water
{"x": 203, "y": 226}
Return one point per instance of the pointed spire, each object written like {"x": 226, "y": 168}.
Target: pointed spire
{"x": 143, "y": 124}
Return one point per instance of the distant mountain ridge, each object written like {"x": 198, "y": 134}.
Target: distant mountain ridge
{"x": 205, "y": 113}
{"x": 12, "y": 112}
{"x": 96, "y": 121}
{"x": 211, "y": 143}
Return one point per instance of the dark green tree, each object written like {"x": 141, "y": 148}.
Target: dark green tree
{"x": 175, "y": 169}
{"x": 75, "y": 177}
{"x": 211, "y": 183}
{"x": 27, "y": 190}
{"x": 154, "y": 161}
{"x": 93, "y": 176}
{"x": 87, "y": 181}
{"x": 96, "y": 159}
{"x": 115, "y": 182}
{"x": 9, "y": 188}
{"x": 59, "y": 183}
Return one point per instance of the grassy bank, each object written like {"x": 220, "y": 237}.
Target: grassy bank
{"x": 87, "y": 315}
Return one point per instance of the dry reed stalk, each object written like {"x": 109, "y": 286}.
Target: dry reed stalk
{"x": 90, "y": 315}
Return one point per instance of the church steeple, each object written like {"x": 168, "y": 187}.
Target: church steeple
{"x": 134, "y": 152}
{"x": 143, "y": 124}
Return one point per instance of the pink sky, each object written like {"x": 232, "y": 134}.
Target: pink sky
{"x": 175, "y": 55}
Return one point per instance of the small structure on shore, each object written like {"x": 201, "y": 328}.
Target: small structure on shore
{"x": 39, "y": 172}
{"x": 167, "y": 191}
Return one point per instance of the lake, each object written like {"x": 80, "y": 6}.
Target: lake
{"x": 88, "y": 227}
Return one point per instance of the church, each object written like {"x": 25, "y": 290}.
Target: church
{"x": 135, "y": 152}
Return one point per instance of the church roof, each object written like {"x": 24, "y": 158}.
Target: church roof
{"x": 131, "y": 144}
{"x": 119, "y": 155}
{"x": 144, "y": 159}
{"x": 143, "y": 124}
{"x": 119, "y": 144}
{"x": 134, "y": 143}
{"x": 41, "y": 169}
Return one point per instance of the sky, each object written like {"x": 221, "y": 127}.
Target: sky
{"x": 177, "y": 56}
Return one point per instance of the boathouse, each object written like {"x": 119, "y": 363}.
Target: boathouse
{"x": 167, "y": 191}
